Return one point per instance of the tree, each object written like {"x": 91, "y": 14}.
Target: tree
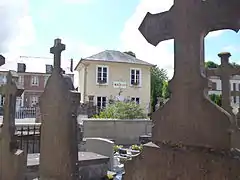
{"x": 130, "y": 53}
{"x": 165, "y": 90}
{"x": 217, "y": 99}
{"x": 158, "y": 78}
{"x": 122, "y": 110}
{"x": 211, "y": 64}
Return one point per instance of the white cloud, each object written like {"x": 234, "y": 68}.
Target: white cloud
{"x": 215, "y": 34}
{"x": 76, "y": 1}
{"x": 133, "y": 40}
{"x": 16, "y": 32}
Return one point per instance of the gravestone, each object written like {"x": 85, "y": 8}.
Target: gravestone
{"x": 12, "y": 160}
{"x": 58, "y": 150}
{"x": 101, "y": 146}
{"x": 188, "y": 127}
{"x": 225, "y": 71}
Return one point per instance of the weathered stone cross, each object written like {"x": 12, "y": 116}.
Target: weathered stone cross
{"x": 56, "y": 50}
{"x": 188, "y": 117}
{"x": 225, "y": 71}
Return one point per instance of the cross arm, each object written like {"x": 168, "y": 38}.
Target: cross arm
{"x": 221, "y": 14}
{"x": 157, "y": 27}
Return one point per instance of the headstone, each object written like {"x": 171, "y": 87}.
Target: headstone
{"x": 225, "y": 72}
{"x": 58, "y": 150}
{"x": 12, "y": 160}
{"x": 188, "y": 126}
{"x": 101, "y": 146}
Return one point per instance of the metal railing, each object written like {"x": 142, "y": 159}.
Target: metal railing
{"x": 28, "y": 137}
{"x": 25, "y": 112}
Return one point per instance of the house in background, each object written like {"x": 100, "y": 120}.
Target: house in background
{"x": 234, "y": 84}
{"x": 33, "y": 84}
{"x": 113, "y": 74}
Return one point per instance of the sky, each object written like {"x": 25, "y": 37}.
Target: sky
{"x": 29, "y": 27}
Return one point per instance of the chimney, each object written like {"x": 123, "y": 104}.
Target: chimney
{"x": 71, "y": 65}
{"x": 21, "y": 67}
{"x": 49, "y": 69}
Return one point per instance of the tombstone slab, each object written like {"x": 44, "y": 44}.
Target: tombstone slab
{"x": 12, "y": 160}
{"x": 58, "y": 158}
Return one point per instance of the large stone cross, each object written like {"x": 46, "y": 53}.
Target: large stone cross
{"x": 56, "y": 50}
{"x": 225, "y": 72}
{"x": 189, "y": 117}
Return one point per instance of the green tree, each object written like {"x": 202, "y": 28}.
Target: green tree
{"x": 217, "y": 99}
{"x": 165, "y": 90}
{"x": 158, "y": 78}
{"x": 122, "y": 110}
{"x": 211, "y": 64}
{"x": 130, "y": 53}
{"x": 235, "y": 65}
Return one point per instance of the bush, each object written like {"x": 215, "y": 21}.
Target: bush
{"x": 116, "y": 148}
{"x": 122, "y": 110}
{"x": 136, "y": 147}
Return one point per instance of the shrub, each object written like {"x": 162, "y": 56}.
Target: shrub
{"x": 122, "y": 110}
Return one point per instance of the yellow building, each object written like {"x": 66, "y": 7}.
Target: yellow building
{"x": 113, "y": 74}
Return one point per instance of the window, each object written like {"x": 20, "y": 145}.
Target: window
{"x": 135, "y": 77}
{"x": 34, "y": 100}
{"x": 35, "y": 81}
{"x": 102, "y": 74}
{"x": 101, "y": 102}
{"x": 136, "y": 100}
{"x": 2, "y": 100}
{"x": 21, "y": 80}
{"x": 213, "y": 85}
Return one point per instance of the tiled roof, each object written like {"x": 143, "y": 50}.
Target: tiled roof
{"x": 115, "y": 56}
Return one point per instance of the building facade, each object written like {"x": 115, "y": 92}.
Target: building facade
{"x": 33, "y": 84}
{"x": 114, "y": 75}
{"x": 234, "y": 85}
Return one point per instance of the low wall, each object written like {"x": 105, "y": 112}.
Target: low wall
{"x": 121, "y": 131}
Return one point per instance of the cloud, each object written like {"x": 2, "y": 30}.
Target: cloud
{"x": 17, "y": 30}
{"x": 132, "y": 39}
{"x": 215, "y": 34}
{"x": 76, "y": 1}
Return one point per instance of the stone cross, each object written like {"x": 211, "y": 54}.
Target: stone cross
{"x": 58, "y": 104}
{"x": 56, "y": 50}
{"x": 12, "y": 160}
{"x": 188, "y": 114}
{"x": 225, "y": 72}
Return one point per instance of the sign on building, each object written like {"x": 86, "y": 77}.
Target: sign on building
{"x": 119, "y": 84}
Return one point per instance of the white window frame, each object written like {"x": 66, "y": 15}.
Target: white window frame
{"x": 21, "y": 80}
{"x": 140, "y": 77}
{"x": 102, "y": 66}
{"x": 35, "y": 80}
{"x": 134, "y": 99}
{"x": 34, "y": 100}
{"x": 101, "y": 107}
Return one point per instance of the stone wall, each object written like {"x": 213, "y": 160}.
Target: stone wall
{"x": 121, "y": 131}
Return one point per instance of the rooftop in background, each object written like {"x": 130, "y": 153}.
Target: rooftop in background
{"x": 115, "y": 56}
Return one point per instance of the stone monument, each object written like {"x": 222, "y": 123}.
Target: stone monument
{"x": 12, "y": 160}
{"x": 191, "y": 136}
{"x": 225, "y": 72}
{"x": 58, "y": 150}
